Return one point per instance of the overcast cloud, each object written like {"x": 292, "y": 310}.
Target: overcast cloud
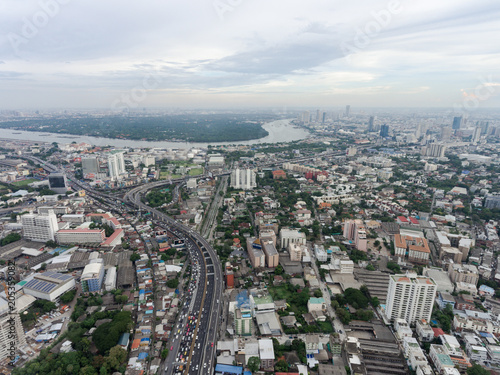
{"x": 224, "y": 53}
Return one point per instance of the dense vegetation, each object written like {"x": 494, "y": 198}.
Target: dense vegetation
{"x": 186, "y": 127}
{"x": 12, "y": 237}
{"x": 111, "y": 358}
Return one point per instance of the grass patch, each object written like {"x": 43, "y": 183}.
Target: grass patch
{"x": 195, "y": 171}
{"x": 279, "y": 292}
{"x": 24, "y": 182}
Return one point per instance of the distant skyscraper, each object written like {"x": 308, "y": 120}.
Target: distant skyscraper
{"x": 305, "y": 117}
{"x": 484, "y": 127}
{"x": 457, "y": 123}
{"x": 476, "y": 136}
{"x": 370, "y": 123}
{"x": 318, "y": 115}
{"x": 384, "y": 131}
{"x": 116, "y": 164}
{"x": 323, "y": 118}
{"x": 435, "y": 150}
{"x": 347, "y": 110}
{"x": 446, "y": 133}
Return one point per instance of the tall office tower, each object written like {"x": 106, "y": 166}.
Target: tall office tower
{"x": 243, "y": 179}
{"x": 323, "y": 117}
{"x": 484, "y": 127}
{"x": 41, "y": 228}
{"x": 305, "y": 117}
{"x": 11, "y": 330}
{"x": 476, "y": 136}
{"x": 421, "y": 130}
{"x": 384, "y": 131}
{"x": 318, "y": 115}
{"x": 410, "y": 297}
{"x": 116, "y": 164}
{"x": 446, "y": 133}
{"x": 347, "y": 110}
{"x": 370, "y": 123}
{"x": 57, "y": 182}
{"x": 457, "y": 123}
{"x": 90, "y": 165}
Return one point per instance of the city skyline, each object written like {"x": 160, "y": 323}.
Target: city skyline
{"x": 57, "y": 53}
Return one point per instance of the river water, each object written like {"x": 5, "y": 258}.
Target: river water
{"x": 279, "y": 131}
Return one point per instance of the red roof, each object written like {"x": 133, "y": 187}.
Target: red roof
{"x": 80, "y": 230}
{"x": 111, "y": 238}
{"x": 403, "y": 219}
{"x": 414, "y": 221}
{"x": 438, "y": 332}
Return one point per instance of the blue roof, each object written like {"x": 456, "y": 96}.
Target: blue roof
{"x": 227, "y": 369}
{"x": 142, "y": 355}
{"x": 124, "y": 339}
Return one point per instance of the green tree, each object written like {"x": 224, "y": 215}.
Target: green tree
{"x": 253, "y": 364}
{"x": 281, "y": 366}
{"x": 117, "y": 355}
{"x": 278, "y": 270}
{"x": 173, "y": 283}
{"x": 134, "y": 257}
{"x": 477, "y": 370}
{"x": 164, "y": 353}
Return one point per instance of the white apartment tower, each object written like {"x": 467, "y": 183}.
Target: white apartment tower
{"x": 40, "y": 228}
{"x": 116, "y": 164}
{"x": 10, "y": 325}
{"x": 410, "y": 297}
{"x": 243, "y": 179}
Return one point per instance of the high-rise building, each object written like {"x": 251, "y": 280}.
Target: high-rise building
{"x": 384, "y": 131}
{"x": 57, "y": 182}
{"x": 11, "y": 330}
{"x": 305, "y": 117}
{"x": 457, "y": 123}
{"x": 90, "y": 165}
{"x": 371, "y": 122}
{"x": 410, "y": 297}
{"x": 323, "y": 117}
{"x": 347, "y": 110}
{"x": 476, "y": 136}
{"x": 243, "y": 179}
{"x": 41, "y": 228}
{"x": 355, "y": 231}
{"x": 435, "y": 150}
{"x": 446, "y": 133}
{"x": 116, "y": 164}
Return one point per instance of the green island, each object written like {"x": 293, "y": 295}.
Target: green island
{"x": 181, "y": 127}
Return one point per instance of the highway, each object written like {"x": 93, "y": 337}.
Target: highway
{"x": 196, "y": 334}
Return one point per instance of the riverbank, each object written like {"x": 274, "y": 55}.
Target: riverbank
{"x": 279, "y": 131}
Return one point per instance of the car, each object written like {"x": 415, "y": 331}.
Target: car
{"x": 212, "y": 344}
{"x": 172, "y": 347}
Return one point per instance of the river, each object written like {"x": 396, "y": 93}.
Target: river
{"x": 279, "y": 131}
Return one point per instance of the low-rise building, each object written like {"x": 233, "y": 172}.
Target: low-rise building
{"x": 424, "y": 331}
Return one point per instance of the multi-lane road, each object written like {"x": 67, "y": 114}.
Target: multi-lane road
{"x": 195, "y": 337}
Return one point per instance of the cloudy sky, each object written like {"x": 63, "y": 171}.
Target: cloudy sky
{"x": 233, "y": 53}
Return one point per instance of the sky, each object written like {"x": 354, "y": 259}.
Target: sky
{"x": 249, "y": 53}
